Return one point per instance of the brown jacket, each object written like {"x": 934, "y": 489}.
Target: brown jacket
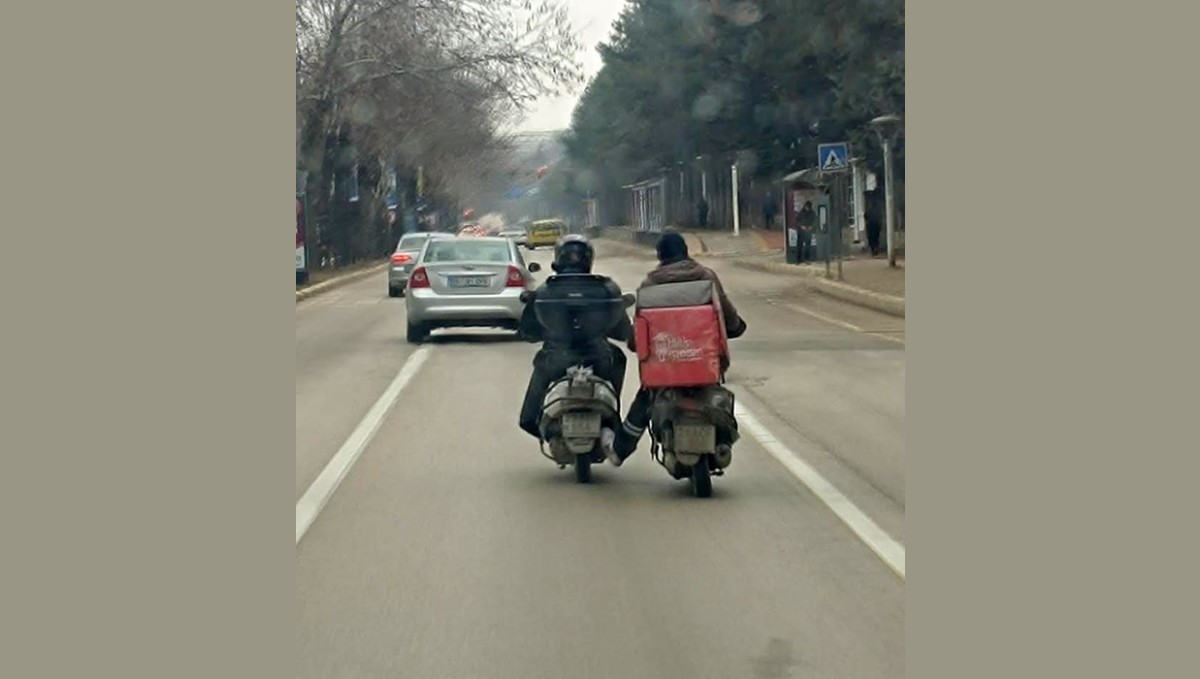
{"x": 691, "y": 270}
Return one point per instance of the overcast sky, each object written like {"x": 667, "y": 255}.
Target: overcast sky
{"x": 593, "y": 21}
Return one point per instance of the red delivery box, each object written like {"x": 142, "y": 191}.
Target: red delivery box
{"x": 679, "y": 333}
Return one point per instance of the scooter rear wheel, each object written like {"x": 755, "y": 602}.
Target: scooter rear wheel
{"x": 583, "y": 468}
{"x": 702, "y": 478}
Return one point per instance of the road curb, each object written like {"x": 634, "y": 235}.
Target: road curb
{"x": 815, "y": 278}
{"x": 325, "y": 286}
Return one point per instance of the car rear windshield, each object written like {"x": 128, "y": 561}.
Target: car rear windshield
{"x": 413, "y": 242}
{"x": 467, "y": 251}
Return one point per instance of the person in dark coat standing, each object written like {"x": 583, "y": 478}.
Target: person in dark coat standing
{"x": 702, "y": 208}
{"x": 874, "y": 225}
{"x": 769, "y": 211}
{"x": 807, "y": 220}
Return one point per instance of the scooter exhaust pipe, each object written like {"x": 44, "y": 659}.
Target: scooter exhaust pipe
{"x": 723, "y": 455}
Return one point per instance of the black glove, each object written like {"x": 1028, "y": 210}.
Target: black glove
{"x": 737, "y": 332}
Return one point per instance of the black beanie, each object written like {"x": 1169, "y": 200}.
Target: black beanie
{"x": 672, "y": 248}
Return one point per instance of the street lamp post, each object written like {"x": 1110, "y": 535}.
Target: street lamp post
{"x": 736, "y": 211}
{"x": 888, "y": 127}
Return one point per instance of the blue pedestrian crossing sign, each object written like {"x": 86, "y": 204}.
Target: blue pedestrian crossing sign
{"x": 833, "y": 157}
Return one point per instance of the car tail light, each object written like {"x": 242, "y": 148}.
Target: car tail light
{"x": 515, "y": 278}
{"x": 401, "y": 258}
{"x": 419, "y": 279}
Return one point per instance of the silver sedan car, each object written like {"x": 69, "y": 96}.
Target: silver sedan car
{"x": 403, "y": 259}
{"x": 467, "y": 283}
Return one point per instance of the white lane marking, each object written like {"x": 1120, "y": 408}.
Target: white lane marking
{"x": 314, "y": 499}
{"x": 867, "y": 530}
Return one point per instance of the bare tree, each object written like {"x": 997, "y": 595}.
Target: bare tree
{"x": 425, "y": 81}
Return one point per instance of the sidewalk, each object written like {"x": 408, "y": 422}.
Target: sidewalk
{"x": 866, "y": 281}
{"x": 750, "y": 241}
{"x": 712, "y": 243}
{"x": 861, "y": 272}
{"x": 758, "y": 247}
{"x": 327, "y": 279}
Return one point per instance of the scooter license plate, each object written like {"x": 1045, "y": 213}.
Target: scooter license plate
{"x": 581, "y": 425}
{"x": 695, "y": 438}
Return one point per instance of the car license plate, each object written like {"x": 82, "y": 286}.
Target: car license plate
{"x": 468, "y": 281}
{"x": 695, "y": 438}
{"x": 581, "y": 425}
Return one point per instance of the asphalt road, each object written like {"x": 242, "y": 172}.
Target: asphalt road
{"x": 452, "y": 548}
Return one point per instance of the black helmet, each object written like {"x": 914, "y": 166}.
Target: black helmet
{"x": 573, "y": 254}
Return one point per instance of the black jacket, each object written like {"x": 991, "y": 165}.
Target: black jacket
{"x": 601, "y": 326}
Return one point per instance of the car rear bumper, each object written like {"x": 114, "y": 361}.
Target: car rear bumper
{"x": 425, "y": 306}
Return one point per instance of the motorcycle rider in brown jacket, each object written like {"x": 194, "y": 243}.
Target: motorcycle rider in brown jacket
{"x": 675, "y": 266}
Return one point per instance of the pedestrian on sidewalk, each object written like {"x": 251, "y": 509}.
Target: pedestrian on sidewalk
{"x": 874, "y": 228}
{"x": 769, "y": 211}
{"x": 702, "y": 207}
{"x": 807, "y": 220}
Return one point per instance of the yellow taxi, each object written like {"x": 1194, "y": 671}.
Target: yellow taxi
{"x": 545, "y": 232}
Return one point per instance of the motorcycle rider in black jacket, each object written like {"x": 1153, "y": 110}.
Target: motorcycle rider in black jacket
{"x": 565, "y": 341}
